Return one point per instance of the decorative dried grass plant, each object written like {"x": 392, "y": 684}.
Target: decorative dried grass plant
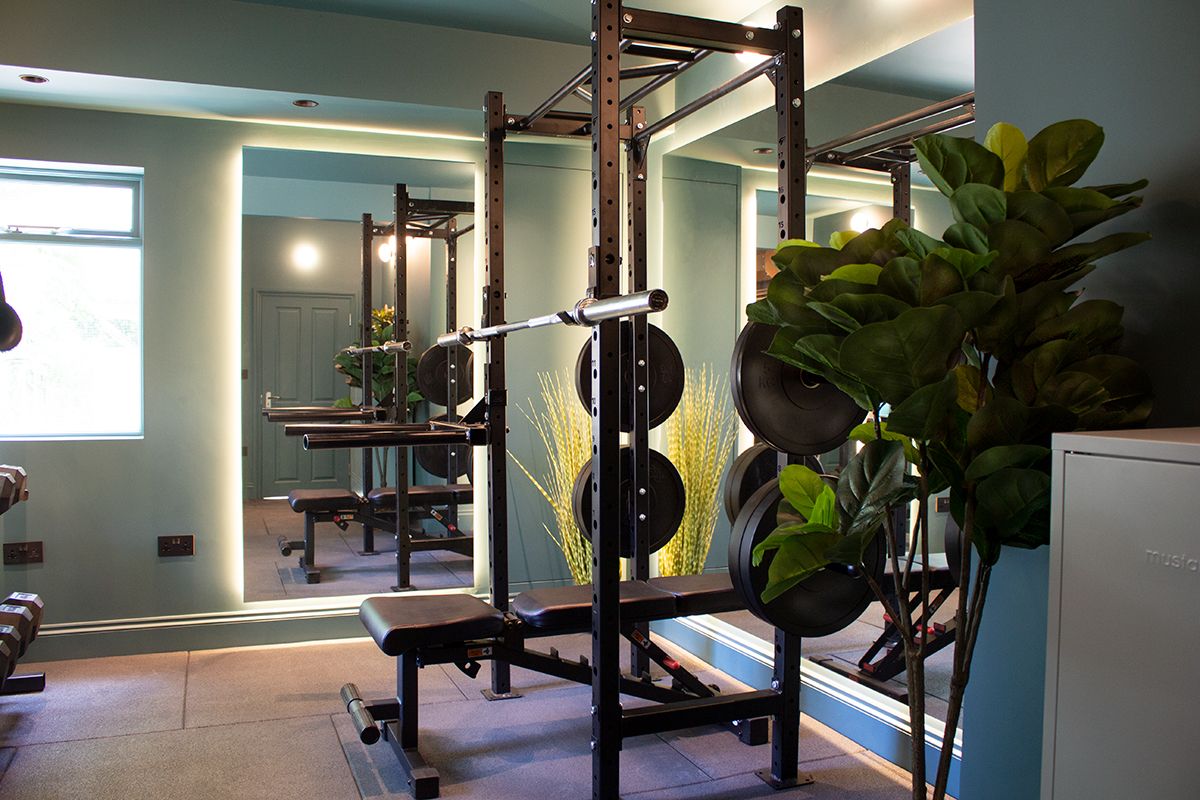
{"x": 700, "y": 437}
{"x": 566, "y": 432}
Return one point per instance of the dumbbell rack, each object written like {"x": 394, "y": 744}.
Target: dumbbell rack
{"x": 20, "y": 621}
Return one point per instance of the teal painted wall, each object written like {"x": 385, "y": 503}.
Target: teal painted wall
{"x": 1121, "y": 66}
{"x": 701, "y": 213}
{"x": 99, "y": 505}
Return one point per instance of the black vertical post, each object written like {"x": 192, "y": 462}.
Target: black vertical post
{"x": 400, "y": 412}
{"x": 902, "y": 192}
{"x": 368, "y": 374}
{"x": 639, "y": 412}
{"x": 495, "y": 388}
{"x": 454, "y": 453}
{"x": 604, "y": 281}
{"x": 793, "y": 180}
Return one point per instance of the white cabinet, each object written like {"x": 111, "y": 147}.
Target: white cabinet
{"x": 1123, "y": 645}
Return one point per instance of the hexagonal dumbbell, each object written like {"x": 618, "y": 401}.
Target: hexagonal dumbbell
{"x": 12, "y": 486}
{"x": 21, "y": 619}
{"x": 32, "y": 602}
{"x": 10, "y": 643}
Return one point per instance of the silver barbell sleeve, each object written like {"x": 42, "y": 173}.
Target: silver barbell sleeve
{"x": 586, "y": 312}
{"x": 386, "y": 348}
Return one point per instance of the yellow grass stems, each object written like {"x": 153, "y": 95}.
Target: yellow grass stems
{"x": 700, "y": 437}
{"x": 566, "y": 432}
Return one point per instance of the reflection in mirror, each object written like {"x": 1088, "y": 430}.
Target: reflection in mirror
{"x": 702, "y": 206}
{"x": 319, "y": 256}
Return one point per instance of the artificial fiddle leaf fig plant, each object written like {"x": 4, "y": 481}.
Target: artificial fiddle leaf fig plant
{"x": 969, "y": 351}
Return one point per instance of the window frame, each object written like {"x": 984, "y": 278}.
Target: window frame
{"x": 83, "y": 175}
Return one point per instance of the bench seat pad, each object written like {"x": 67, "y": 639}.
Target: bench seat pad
{"x": 569, "y": 608}
{"x": 324, "y": 500}
{"x": 708, "y": 593}
{"x": 400, "y": 624}
{"x": 434, "y": 495}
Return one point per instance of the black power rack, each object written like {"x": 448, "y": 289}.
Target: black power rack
{"x": 674, "y": 43}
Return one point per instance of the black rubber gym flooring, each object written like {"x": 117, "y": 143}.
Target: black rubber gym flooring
{"x": 266, "y": 722}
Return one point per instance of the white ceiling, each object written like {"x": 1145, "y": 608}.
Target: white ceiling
{"x": 557, "y": 20}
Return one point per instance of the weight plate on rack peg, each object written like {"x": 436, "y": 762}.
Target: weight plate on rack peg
{"x": 435, "y": 459}
{"x": 431, "y": 374}
{"x": 786, "y": 407}
{"x": 665, "y": 501}
{"x": 664, "y": 384}
{"x": 824, "y": 603}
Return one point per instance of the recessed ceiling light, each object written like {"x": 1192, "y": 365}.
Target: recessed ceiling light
{"x": 35, "y": 78}
{"x": 763, "y": 151}
{"x": 305, "y": 103}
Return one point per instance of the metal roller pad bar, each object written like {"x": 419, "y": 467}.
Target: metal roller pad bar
{"x": 471, "y": 435}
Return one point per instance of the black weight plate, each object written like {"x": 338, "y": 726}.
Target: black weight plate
{"x": 750, "y": 470}
{"x": 431, "y": 374}
{"x": 954, "y": 548}
{"x": 435, "y": 460}
{"x": 664, "y": 375}
{"x": 783, "y": 405}
{"x": 665, "y": 502}
{"x": 825, "y": 603}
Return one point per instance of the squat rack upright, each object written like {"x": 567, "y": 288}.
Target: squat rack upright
{"x": 677, "y": 43}
{"x": 431, "y": 219}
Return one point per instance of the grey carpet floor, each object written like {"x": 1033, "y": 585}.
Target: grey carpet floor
{"x": 267, "y": 722}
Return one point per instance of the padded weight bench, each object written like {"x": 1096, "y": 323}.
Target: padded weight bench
{"x": 462, "y": 630}
{"x": 318, "y": 505}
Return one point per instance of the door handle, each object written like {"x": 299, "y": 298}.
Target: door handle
{"x": 267, "y": 399}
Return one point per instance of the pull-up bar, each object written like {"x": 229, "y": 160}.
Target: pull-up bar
{"x": 586, "y": 312}
{"x": 700, "y": 102}
{"x": 891, "y": 124}
{"x": 904, "y": 138}
{"x": 677, "y": 69}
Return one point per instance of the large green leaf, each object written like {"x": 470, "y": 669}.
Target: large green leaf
{"x": 1078, "y": 392}
{"x": 1115, "y": 190}
{"x": 901, "y": 279}
{"x": 874, "y": 246}
{"x": 939, "y": 278}
{"x": 1001, "y": 422}
{"x": 1008, "y": 498}
{"x": 997, "y": 458}
{"x": 787, "y": 251}
{"x": 783, "y": 347}
{"x": 836, "y": 315}
{"x": 898, "y": 357}
{"x": 838, "y": 239}
{"x": 1062, "y": 152}
{"x": 979, "y": 205}
{"x": 928, "y": 412}
{"x": 810, "y": 264}
{"x": 1097, "y": 322}
{"x": 865, "y": 432}
{"x": 916, "y": 243}
{"x": 1008, "y": 142}
{"x": 1073, "y": 256}
{"x": 967, "y": 237}
{"x": 798, "y": 556}
{"x": 951, "y": 161}
{"x": 1044, "y": 214}
{"x": 868, "y": 308}
{"x": 857, "y": 273}
{"x": 1020, "y": 245}
{"x": 801, "y": 487}
{"x": 829, "y": 290}
{"x": 971, "y": 306}
{"x": 967, "y": 262}
{"x": 873, "y": 481}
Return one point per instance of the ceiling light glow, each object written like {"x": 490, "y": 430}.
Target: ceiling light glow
{"x": 30, "y": 78}
{"x": 305, "y": 256}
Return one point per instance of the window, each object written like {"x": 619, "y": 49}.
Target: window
{"x": 71, "y": 261}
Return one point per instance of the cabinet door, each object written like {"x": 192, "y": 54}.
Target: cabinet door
{"x": 1127, "y": 713}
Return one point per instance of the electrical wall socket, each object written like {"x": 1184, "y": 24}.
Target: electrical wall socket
{"x": 942, "y": 505}
{"x": 22, "y": 552}
{"x": 179, "y": 544}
